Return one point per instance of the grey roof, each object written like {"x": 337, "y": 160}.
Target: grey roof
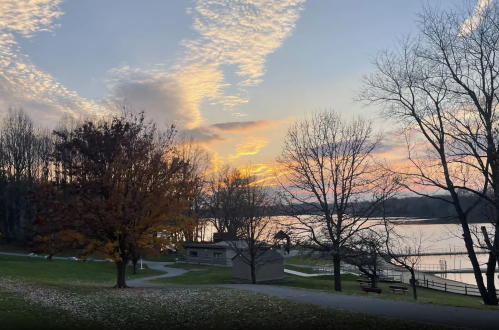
{"x": 269, "y": 255}
{"x": 233, "y": 244}
{"x": 204, "y": 246}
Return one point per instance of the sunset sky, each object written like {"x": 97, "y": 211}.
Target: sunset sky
{"x": 234, "y": 73}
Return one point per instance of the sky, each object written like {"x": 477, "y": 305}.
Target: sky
{"x": 234, "y": 74}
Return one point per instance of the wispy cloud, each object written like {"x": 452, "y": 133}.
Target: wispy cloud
{"x": 21, "y": 83}
{"x": 230, "y": 33}
{"x": 249, "y": 146}
{"x": 470, "y": 23}
{"x": 244, "y": 126}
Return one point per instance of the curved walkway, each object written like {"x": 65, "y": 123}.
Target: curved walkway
{"x": 170, "y": 272}
{"x": 446, "y": 315}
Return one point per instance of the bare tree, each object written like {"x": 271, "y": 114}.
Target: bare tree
{"x": 189, "y": 150}
{"x": 225, "y": 195}
{"x": 19, "y": 158}
{"x": 328, "y": 185}
{"x": 404, "y": 250}
{"x": 442, "y": 87}
{"x": 257, "y": 227}
{"x": 367, "y": 254}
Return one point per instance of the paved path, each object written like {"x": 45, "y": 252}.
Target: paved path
{"x": 293, "y": 272}
{"x": 170, "y": 272}
{"x": 454, "y": 316}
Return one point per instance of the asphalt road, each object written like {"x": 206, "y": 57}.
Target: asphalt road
{"x": 454, "y": 316}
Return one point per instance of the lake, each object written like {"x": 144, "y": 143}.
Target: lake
{"x": 438, "y": 236}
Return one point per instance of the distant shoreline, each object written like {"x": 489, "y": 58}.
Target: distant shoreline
{"x": 436, "y": 221}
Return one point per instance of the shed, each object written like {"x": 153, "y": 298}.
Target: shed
{"x": 216, "y": 254}
{"x": 270, "y": 267}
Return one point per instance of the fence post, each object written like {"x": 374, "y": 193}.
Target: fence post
{"x": 465, "y": 290}
{"x": 427, "y": 282}
{"x": 445, "y": 285}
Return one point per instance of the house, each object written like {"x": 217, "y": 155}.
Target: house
{"x": 270, "y": 267}
{"x": 216, "y": 254}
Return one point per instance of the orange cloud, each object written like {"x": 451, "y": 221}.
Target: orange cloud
{"x": 266, "y": 173}
{"x": 249, "y": 146}
{"x": 244, "y": 126}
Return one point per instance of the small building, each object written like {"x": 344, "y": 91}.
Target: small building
{"x": 216, "y": 254}
{"x": 270, "y": 267}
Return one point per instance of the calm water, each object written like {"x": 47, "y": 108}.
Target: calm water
{"x": 437, "y": 236}
{"x": 448, "y": 237}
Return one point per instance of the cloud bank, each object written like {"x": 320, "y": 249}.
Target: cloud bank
{"x": 21, "y": 84}
{"x": 230, "y": 33}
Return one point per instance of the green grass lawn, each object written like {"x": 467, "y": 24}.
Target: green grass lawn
{"x": 203, "y": 274}
{"x": 350, "y": 286}
{"x": 67, "y": 272}
{"x": 17, "y": 313}
{"x": 308, "y": 261}
{"x": 37, "y": 294}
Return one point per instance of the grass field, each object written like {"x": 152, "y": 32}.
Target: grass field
{"x": 201, "y": 274}
{"x": 39, "y": 270}
{"x": 35, "y": 293}
{"x": 308, "y": 261}
{"x": 350, "y": 286}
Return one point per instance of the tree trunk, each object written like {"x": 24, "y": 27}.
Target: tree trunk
{"x": 134, "y": 266}
{"x": 374, "y": 280}
{"x": 253, "y": 274}
{"x": 337, "y": 275}
{"x": 121, "y": 282}
{"x": 490, "y": 275}
{"x": 468, "y": 241}
{"x": 413, "y": 283}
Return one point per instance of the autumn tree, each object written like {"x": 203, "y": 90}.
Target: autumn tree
{"x": 329, "y": 183}
{"x": 441, "y": 85}
{"x": 118, "y": 189}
